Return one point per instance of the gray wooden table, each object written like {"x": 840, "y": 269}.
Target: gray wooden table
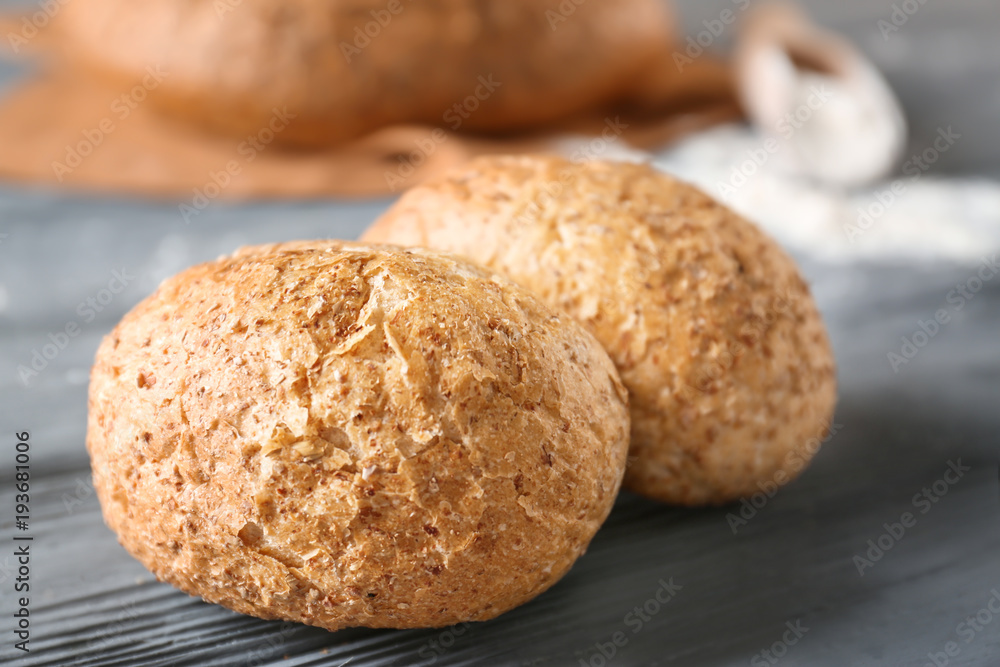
{"x": 820, "y": 574}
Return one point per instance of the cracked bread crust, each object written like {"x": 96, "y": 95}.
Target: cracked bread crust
{"x": 347, "y": 435}
{"x": 714, "y": 332}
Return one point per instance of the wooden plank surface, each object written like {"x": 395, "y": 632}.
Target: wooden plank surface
{"x": 794, "y": 561}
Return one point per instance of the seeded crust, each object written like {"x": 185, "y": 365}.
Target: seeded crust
{"x": 230, "y": 64}
{"x": 714, "y": 332}
{"x": 344, "y": 435}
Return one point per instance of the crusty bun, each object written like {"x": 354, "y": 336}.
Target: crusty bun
{"x": 343, "y": 68}
{"x": 712, "y": 328}
{"x": 345, "y": 435}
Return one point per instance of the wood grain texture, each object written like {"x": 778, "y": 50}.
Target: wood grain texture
{"x": 794, "y": 561}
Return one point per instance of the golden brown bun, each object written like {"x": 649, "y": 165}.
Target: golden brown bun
{"x": 230, "y": 64}
{"x": 712, "y": 328}
{"x": 345, "y": 435}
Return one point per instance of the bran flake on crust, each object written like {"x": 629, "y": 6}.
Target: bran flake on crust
{"x": 344, "y": 435}
{"x": 730, "y": 373}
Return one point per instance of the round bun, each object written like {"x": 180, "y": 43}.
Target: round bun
{"x": 346, "y": 435}
{"x": 343, "y": 68}
{"x": 714, "y": 332}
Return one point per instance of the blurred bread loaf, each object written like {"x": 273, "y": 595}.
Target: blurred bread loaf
{"x": 342, "y": 68}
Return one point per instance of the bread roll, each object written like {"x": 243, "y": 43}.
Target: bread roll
{"x": 354, "y": 436}
{"x": 343, "y": 68}
{"x": 714, "y": 332}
